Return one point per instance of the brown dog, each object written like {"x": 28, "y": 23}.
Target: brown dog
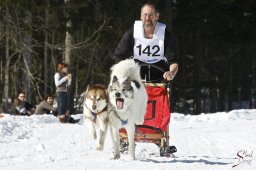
{"x": 95, "y": 112}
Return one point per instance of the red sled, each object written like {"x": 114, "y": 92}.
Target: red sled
{"x": 156, "y": 121}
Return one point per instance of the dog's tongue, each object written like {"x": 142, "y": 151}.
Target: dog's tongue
{"x": 119, "y": 103}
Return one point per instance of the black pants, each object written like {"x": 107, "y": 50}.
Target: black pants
{"x": 150, "y": 73}
{"x": 62, "y": 98}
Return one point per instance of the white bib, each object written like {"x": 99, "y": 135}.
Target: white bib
{"x": 148, "y": 50}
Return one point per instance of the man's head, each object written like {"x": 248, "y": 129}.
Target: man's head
{"x": 149, "y": 15}
{"x": 49, "y": 99}
{"x": 22, "y": 96}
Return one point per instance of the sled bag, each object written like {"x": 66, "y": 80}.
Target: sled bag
{"x": 158, "y": 110}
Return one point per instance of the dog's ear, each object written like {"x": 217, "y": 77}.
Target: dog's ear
{"x": 114, "y": 79}
{"x": 87, "y": 89}
{"x": 136, "y": 83}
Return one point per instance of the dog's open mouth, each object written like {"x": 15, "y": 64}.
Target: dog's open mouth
{"x": 119, "y": 103}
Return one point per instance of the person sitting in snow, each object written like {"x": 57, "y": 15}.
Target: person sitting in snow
{"x": 46, "y": 106}
{"x": 21, "y": 107}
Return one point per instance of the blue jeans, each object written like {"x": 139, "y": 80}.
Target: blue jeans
{"x": 62, "y": 98}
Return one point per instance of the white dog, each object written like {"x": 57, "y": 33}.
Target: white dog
{"x": 95, "y": 112}
{"x": 128, "y": 102}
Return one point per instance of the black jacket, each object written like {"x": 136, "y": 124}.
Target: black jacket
{"x": 125, "y": 47}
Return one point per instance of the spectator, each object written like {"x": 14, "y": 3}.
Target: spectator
{"x": 46, "y": 106}
{"x": 62, "y": 81}
{"x": 21, "y": 107}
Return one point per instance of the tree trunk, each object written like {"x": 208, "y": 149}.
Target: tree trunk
{"x": 7, "y": 65}
{"x": 67, "y": 54}
{"x": 28, "y": 60}
{"x": 68, "y": 38}
{"x": 45, "y": 48}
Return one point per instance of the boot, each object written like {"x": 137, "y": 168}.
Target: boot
{"x": 72, "y": 120}
{"x": 69, "y": 119}
{"x": 62, "y": 118}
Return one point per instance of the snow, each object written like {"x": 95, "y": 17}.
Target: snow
{"x": 206, "y": 141}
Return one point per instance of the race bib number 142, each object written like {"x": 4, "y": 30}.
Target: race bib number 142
{"x": 153, "y": 51}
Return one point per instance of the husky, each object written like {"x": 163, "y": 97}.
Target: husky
{"x": 95, "y": 110}
{"x": 128, "y": 102}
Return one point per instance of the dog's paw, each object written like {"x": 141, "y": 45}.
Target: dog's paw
{"x": 99, "y": 147}
{"x": 130, "y": 158}
{"x": 117, "y": 156}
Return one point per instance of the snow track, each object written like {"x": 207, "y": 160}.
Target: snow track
{"x": 206, "y": 141}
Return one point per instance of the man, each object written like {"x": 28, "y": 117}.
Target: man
{"x": 149, "y": 42}
{"x": 46, "y": 106}
{"x": 21, "y": 107}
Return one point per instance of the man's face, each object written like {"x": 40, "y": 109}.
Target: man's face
{"x": 22, "y": 97}
{"x": 50, "y": 100}
{"x": 149, "y": 17}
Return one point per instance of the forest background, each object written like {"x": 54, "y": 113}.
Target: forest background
{"x": 216, "y": 42}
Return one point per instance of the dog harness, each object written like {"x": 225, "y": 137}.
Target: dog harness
{"x": 94, "y": 117}
{"x": 123, "y": 122}
{"x": 149, "y": 50}
{"x": 94, "y": 114}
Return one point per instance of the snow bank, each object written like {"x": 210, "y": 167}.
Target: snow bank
{"x": 14, "y": 128}
{"x": 219, "y": 116}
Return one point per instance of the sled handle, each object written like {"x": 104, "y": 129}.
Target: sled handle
{"x": 166, "y": 82}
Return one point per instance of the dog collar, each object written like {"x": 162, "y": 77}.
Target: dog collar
{"x": 105, "y": 109}
{"x": 97, "y": 113}
{"x": 94, "y": 114}
{"x": 123, "y": 122}
{"x": 94, "y": 117}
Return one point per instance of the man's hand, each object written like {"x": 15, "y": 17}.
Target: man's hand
{"x": 169, "y": 75}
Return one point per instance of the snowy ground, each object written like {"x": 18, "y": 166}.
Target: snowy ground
{"x": 206, "y": 141}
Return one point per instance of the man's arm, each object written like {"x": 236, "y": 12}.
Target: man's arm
{"x": 171, "y": 56}
{"x": 174, "y": 68}
{"x": 125, "y": 47}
